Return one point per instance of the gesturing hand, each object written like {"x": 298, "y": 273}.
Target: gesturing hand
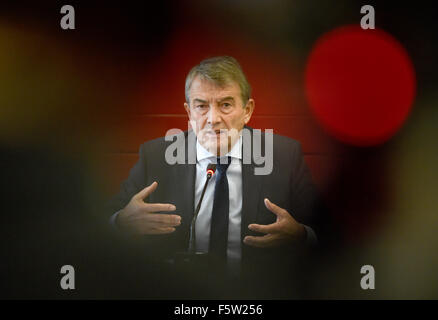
{"x": 285, "y": 229}
{"x": 139, "y": 217}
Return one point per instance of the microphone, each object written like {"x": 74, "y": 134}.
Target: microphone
{"x": 211, "y": 168}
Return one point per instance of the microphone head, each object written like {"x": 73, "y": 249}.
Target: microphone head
{"x": 211, "y": 169}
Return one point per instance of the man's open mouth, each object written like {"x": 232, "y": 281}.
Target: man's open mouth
{"x": 216, "y": 132}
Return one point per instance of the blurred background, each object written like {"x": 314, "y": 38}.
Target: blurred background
{"x": 75, "y": 105}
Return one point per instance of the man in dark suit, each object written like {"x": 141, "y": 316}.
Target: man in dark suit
{"x": 257, "y": 223}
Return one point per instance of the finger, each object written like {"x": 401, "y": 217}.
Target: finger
{"x": 148, "y": 230}
{"x": 154, "y": 220}
{"x": 157, "y": 225}
{"x": 144, "y": 227}
{"x": 269, "y": 228}
{"x": 259, "y": 242}
{"x": 274, "y": 208}
{"x": 159, "y": 207}
{"x": 143, "y": 194}
{"x": 170, "y": 219}
{"x": 140, "y": 227}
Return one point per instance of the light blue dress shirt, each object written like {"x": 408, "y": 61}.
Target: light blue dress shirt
{"x": 203, "y": 222}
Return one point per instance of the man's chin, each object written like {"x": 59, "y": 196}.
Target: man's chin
{"x": 216, "y": 148}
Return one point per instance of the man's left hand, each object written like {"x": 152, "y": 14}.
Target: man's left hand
{"x": 285, "y": 230}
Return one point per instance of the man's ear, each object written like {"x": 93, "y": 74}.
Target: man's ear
{"x": 187, "y": 107}
{"x": 249, "y": 108}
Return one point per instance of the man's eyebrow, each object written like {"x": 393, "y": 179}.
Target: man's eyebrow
{"x": 199, "y": 100}
{"x": 226, "y": 98}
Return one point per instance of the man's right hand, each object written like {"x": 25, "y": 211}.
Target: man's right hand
{"x": 140, "y": 218}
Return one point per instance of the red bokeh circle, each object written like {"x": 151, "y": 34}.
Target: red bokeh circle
{"x": 360, "y": 85}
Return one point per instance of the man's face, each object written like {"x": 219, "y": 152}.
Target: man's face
{"x": 217, "y": 114}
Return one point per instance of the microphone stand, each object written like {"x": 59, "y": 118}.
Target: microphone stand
{"x": 190, "y": 257}
{"x": 192, "y": 242}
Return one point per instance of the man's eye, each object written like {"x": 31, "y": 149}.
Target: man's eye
{"x": 201, "y": 106}
{"x": 226, "y": 105}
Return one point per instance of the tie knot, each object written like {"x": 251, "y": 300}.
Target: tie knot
{"x": 222, "y": 167}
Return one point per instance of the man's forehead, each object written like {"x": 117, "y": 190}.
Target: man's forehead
{"x": 203, "y": 88}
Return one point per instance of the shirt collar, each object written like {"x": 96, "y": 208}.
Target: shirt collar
{"x": 235, "y": 152}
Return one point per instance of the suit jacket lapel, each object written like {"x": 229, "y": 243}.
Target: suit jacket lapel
{"x": 251, "y": 189}
{"x": 184, "y": 176}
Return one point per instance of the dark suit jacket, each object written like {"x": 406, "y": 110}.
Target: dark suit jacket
{"x": 289, "y": 186}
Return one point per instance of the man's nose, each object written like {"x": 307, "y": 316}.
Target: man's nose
{"x": 213, "y": 116}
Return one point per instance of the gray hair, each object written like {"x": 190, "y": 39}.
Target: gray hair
{"x": 221, "y": 71}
